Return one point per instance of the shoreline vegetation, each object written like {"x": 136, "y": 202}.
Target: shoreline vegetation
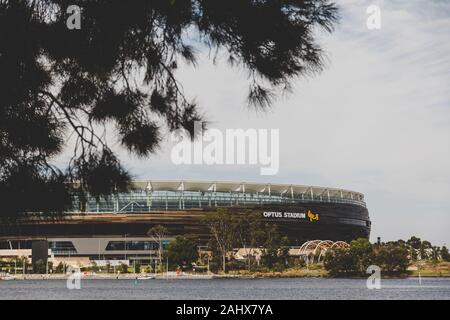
{"x": 435, "y": 270}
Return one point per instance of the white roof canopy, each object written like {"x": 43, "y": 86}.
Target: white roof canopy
{"x": 251, "y": 187}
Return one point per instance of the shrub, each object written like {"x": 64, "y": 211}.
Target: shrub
{"x": 123, "y": 268}
{"x": 60, "y": 268}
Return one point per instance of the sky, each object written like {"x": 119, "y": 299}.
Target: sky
{"x": 375, "y": 120}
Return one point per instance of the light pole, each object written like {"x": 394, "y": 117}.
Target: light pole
{"x": 208, "y": 266}
{"x": 125, "y": 247}
{"x": 167, "y": 268}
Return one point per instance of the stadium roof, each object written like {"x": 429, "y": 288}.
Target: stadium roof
{"x": 245, "y": 187}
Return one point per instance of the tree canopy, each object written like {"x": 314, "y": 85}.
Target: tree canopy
{"x": 118, "y": 73}
{"x": 182, "y": 252}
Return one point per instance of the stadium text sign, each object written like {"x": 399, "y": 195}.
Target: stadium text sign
{"x": 289, "y": 215}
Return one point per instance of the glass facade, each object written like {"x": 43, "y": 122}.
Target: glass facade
{"x": 147, "y": 201}
{"x": 135, "y": 245}
{"x": 62, "y": 247}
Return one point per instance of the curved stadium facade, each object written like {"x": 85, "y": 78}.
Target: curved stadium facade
{"x": 121, "y": 222}
{"x": 117, "y": 228}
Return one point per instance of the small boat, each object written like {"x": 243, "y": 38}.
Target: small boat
{"x": 7, "y": 277}
{"x": 145, "y": 277}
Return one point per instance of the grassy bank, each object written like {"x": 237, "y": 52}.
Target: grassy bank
{"x": 429, "y": 269}
{"x": 312, "y": 271}
{"x": 426, "y": 269}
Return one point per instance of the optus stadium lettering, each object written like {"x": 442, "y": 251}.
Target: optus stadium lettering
{"x": 289, "y": 215}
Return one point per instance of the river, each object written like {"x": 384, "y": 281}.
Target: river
{"x": 284, "y": 288}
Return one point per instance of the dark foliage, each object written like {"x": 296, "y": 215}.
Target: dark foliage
{"x": 119, "y": 70}
{"x": 246, "y": 230}
{"x": 182, "y": 252}
{"x": 392, "y": 258}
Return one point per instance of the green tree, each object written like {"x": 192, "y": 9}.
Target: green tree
{"x": 158, "y": 233}
{"x": 40, "y": 267}
{"x": 435, "y": 253}
{"x": 424, "y": 249}
{"x": 95, "y": 267}
{"x": 119, "y": 77}
{"x": 341, "y": 262}
{"x": 392, "y": 259}
{"x": 182, "y": 251}
{"x": 247, "y": 233}
{"x": 414, "y": 242}
{"x": 60, "y": 268}
{"x": 275, "y": 247}
{"x": 123, "y": 268}
{"x": 362, "y": 250}
{"x": 222, "y": 231}
{"x": 352, "y": 261}
{"x": 445, "y": 255}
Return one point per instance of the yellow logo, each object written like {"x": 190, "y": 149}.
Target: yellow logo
{"x": 313, "y": 216}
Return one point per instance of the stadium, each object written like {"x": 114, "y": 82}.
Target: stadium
{"x": 117, "y": 227}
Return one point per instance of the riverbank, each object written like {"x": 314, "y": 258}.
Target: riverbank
{"x": 106, "y": 276}
{"x": 435, "y": 270}
{"x": 429, "y": 269}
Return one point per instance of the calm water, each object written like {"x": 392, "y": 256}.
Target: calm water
{"x": 295, "y": 288}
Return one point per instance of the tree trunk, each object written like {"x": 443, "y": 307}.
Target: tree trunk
{"x": 160, "y": 251}
{"x": 224, "y": 262}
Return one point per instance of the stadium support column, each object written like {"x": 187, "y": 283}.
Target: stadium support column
{"x": 148, "y": 191}
{"x": 215, "y": 196}
{"x": 116, "y": 202}
{"x": 39, "y": 253}
{"x": 181, "y": 200}
{"x": 149, "y": 199}
{"x": 167, "y": 201}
